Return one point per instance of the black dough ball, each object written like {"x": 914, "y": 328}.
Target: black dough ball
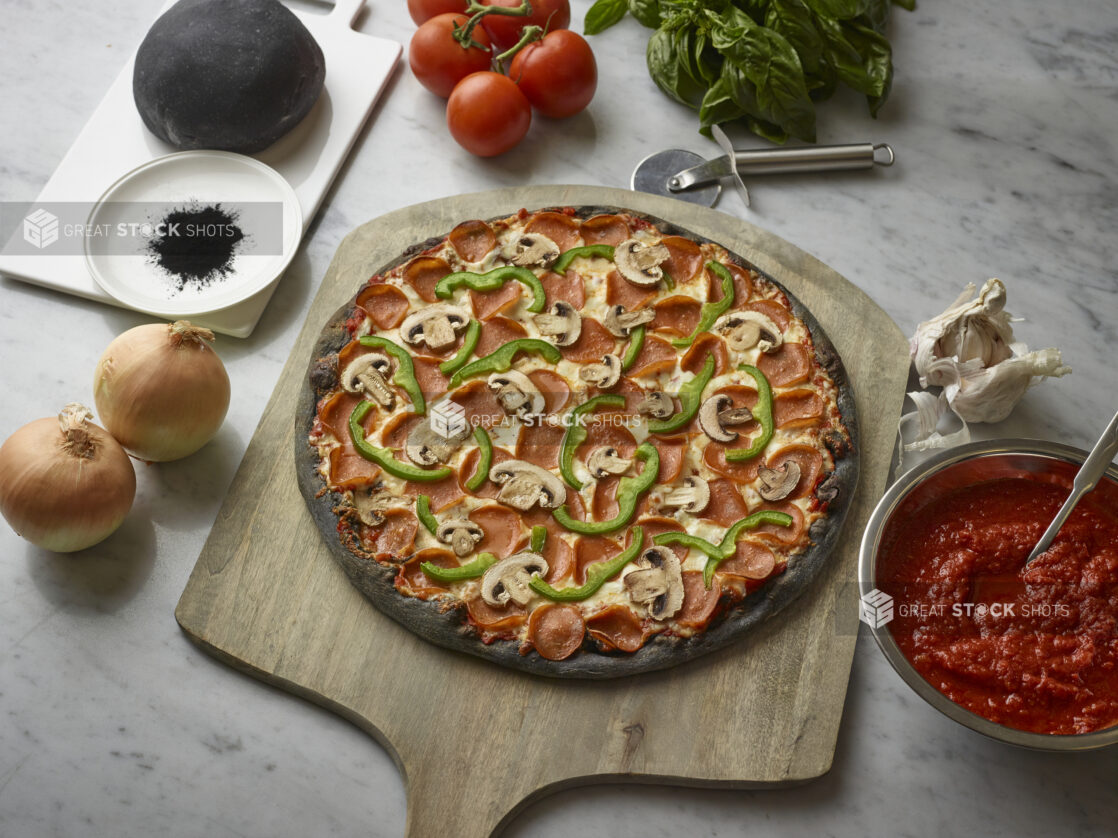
{"x": 234, "y": 75}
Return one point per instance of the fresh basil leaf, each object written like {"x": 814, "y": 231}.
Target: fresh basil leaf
{"x": 840, "y": 9}
{"x": 877, "y": 15}
{"x": 793, "y": 20}
{"x": 718, "y": 107}
{"x": 670, "y": 63}
{"x": 909, "y": 5}
{"x": 647, "y": 12}
{"x": 877, "y": 59}
{"x": 604, "y": 14}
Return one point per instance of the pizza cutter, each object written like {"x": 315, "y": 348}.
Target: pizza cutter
{"x": 677, "y": 173}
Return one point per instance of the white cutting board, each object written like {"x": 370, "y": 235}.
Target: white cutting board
{"x": 115, "y": 141}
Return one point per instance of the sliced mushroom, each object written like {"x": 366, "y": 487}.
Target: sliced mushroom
{"x": 778, "y": 483}
{"x": 657, "y": 405}
{"x": 620, "y": 322}
{"x": 603, "y": 375}
{"x": 461, "y": 534}
{"x": 639, "y": 262}
{"x": 371, "y": 504}
{"x": 516, "y": 393}
{"x": 426, "y": 447}
{"x": 562, "y": 323}
{"x": 531, "y": 249}
{"x": 605, "y": 461}
{"x": 523, "y": 485}
{"x": 692, "y": 497}
{"x": 508, "y": 579}
{"x": 718, "y": 413}
{"x": 746, "y": 329}
{"x": 657, "y": 583}
{"x": 434, "y": 325}
{"x": 368, "y": 374}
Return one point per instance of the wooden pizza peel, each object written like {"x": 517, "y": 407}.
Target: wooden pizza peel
{"x": 266, "y": 597}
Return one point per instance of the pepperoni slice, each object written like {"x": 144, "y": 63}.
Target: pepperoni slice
{"x": 785, "y": 535}
{"x": 616, "y": 627}
{"x": 685, "y": 261}
{"x": 423, "y": 272}
{"x": 808, "y": 459}
{"x": 560, "y": 558}
{"x": 501, "y": 526}
{"x": 443, "y": 493}
{"x": 698, "y": 603}
{"x": 603, "y": 505}
{"x": 386, "y": 305}
{"x": 495, "y": 619}
{"x": 672, "y": 450}
{"x": 432, "y": 382}
{"x": 591, "y": 549}
{"x": 605, "y": 229}
{"x": 556, "y": 392}
{"x": 634, "y": 394}
{"x": 349, "y": 470}
{"x": 726, "y": 503}
{"x": 472, "y": 240}
{"x": 480, "y": 403}
{"x": 568, "y": 287}
{"x": 743, "y": 284}
{"x": 797, "y": 409}
{"x": 607, "y": 430}
{"x": 619, "y": 291}
{"x": 750, "y": 561}
{"x": 536, "y": 517}
{"x": 394, "y": 432}
{"x": 487, "y": 304}
{"x": 466, "y": 470}
{"x": 395, "y": 537}
{"x": 790, "y": 364}
{"x": 561, "y": 229}
{"x": 656, "y": 355}
{"x": 334, "y": 415}
{"x": 593, "y": 342}
{"x": 654, "y": 525}
{"x": 539, "y": 444}
{"x": 704, "y": 345}
{"x": 410, "y": 577}
{"x": 676, "y": 315}
{"x": 556, "y": 630}
{"x": 779, "y": 314}
{"x": 714, "y": 455}
{"x": 496, "y": 332}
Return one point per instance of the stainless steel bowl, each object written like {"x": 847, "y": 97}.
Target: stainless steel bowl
{"x": 953, "y": 469}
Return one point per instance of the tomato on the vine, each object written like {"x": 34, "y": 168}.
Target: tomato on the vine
{"x": 557, "y": 74}
{"x": 422, "y": 11}
{"x": 439, "y": 61}
{"x": 487, "y": 114}
{"x": 504, "y": 30}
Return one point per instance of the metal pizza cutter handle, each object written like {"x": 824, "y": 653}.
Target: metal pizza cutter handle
{"x": 699, "y": 183}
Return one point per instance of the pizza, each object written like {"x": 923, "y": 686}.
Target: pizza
{"x": 577, "y": 441}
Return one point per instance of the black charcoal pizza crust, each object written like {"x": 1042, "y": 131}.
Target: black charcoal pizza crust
{"x": 448, "y": 627}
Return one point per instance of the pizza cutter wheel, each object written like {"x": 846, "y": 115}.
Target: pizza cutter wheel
{"x": 677, "y": 173}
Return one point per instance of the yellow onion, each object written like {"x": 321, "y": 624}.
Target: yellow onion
{"x": 161, "y": 390}
{"x": 65, "y": 484}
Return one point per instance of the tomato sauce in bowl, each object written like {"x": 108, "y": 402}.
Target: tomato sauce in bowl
{"x": 1030, "y": 649}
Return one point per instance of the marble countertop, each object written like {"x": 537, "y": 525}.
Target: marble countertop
{"x": 1003, "y": 117}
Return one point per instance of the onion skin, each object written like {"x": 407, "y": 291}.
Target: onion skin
{"x": 161, "y": 390}
{"x": 61, "y": 496}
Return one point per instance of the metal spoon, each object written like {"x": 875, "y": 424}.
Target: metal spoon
{"x": 1090, "y": 473}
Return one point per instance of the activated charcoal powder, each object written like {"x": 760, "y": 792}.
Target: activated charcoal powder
{"x": 195, "y": 244}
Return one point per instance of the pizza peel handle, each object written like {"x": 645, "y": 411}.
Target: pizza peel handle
{"x": 477, "y": 743}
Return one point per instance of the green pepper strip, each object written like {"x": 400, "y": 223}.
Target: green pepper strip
{"x": 576, "y": 434}
{"x": 629, "y": 491}
{"x": 762, "y": 412}
{"x": 485, "y": 460}
{"x": 539, "y": 538}
{"x": 711, "y": 311}
{"x": 690, "y": 397}
{"x": 716, "y": 554}
{"x": 597, "y": 574}
{"x": 469, "y": 344}
{"x": 501, "y": 360}
{"x": 470, "y": 570}
{"x": 636, "y": 341}
{"x": 491, "y": 281}
{"x": 566, "y": 257}
{"x": 383, "y": 456}
{"x": 405, "y": 370}
{"x": 424, "y": 514}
